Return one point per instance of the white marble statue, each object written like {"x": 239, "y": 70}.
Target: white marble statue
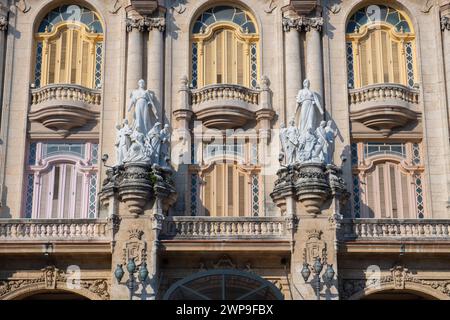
{"x": 321, "y": 147}
{"x": 307, "y": 144}
{"x": 153, "y": 143}
{"x": 292, "y": 142}
{"x": 165, "y": 143}
{"x": 143, "y": 103}
{"x": 123, "y": 141}
{"x": 137, "y": 151}
{"x": 331, "y": 137}
{"x": 311, "y": 110}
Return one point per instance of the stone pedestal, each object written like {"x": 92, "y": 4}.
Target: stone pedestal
{"x": 137, "y": 195}
{"x": 310, "y": 195}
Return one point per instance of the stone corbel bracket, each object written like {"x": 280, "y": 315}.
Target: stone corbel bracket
{"x": 138, "y": 184}
{"x": 311, "y": 184}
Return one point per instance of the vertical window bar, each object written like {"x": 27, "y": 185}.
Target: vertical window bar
{"x": 419, "y": 196}
{"x": 194, "y": 65}
{"x": 98, "y": 64}
{"x": 32, "y": 154}
{"x": 253, "y": 66}
{"x": 29, "y": 196}
{"x": 94, "y": 153}
{"x": 356, "y": 197}
{"x": 350, "y": 66}
{"x": 38, "y": 66}
{"x": 92, "y": 208}
{"x": 354, "y": 150}
{"x": 255, "y": 195}
{"x": 409, "y": 64}
{"x": 416, "y": 154}
{"x": 194, "y": 194}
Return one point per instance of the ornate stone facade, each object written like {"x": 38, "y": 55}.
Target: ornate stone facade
{"x": 178, "y": 146}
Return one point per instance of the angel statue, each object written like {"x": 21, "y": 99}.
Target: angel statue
{"x": 143, "y": 102}
{"x": 311, "y": 108}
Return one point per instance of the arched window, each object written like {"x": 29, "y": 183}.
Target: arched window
{"x": 224, "y": 48}
{"x": 387, "y": 180}
{"x": 61, "y": 181}
{"x": 380, "y": 47}
{"x": 69, "y": 48}
{"x": 223, "y": 284}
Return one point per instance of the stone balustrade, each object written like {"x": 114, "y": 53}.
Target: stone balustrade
{"x": 383, "y": 91}
{"x": 51, "y": 230}
{"x": 390, "y": 229}
{"x": 69, "y": 92}
{"x": 233, "y": 228}
{"x": 224, "y": 91}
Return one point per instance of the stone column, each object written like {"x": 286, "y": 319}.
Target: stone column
{"x": 3, "y": 33}
{"x": 155, "y": 59}
{"x": 445, "y": 26}
{"x": 293, "y": 65}
{"x": 135, "y": 28}
{"x": 314, "y": 58}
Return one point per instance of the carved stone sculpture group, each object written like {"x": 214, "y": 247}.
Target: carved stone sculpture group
{"x": 143, "y": 141}
{"x": 308, "y": 139}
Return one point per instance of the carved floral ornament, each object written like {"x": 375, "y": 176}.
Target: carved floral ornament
{"x": 302, "y": 24}
{"x": 146, "y": 24}
{"x": 52, "y": 278}
{"x": 400, "y": 277}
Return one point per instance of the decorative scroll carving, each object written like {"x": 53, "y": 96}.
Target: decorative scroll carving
{"x": 116, "y": 7}
{"x": 23, "y": 6}
{"x": 135, "y": 248}
{"x": 315, "y": 247}
{"x": 399, "y": 277}
{"x": 335, "y": 8}
{"x": 271, "y": 7}
{"x": 52, "y": 278}
{"x": 427, "y": 6}
{"x": 302, "y": 24}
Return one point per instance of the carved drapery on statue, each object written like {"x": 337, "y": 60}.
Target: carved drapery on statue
{"x": 145, "y": 140}
{"x": 142, "y": 173}
{"x": 308, "y": 139}
{"x": 308, "y": 146}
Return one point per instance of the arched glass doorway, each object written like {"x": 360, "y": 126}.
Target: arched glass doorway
{"x": 398, "y": 295}
{"x": 223, "y": 285}
{"x": 53, "y": 295}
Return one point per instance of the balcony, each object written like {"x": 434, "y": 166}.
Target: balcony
{"x": 26, "y": 235}
{"x": 63, "y": 107}
{"x": 384, "y": 106}
{"x": 389, "y": 235}
{"x": 256, "y": 233}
